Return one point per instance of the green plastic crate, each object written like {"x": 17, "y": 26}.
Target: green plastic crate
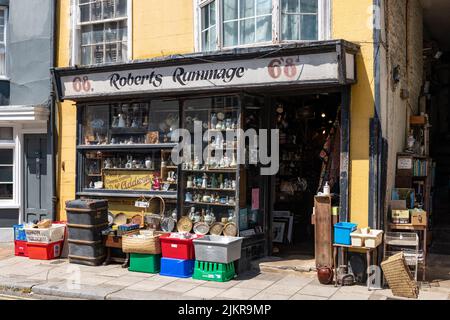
{"x": 146, "y": 263}
{"x": 219, "y": 272}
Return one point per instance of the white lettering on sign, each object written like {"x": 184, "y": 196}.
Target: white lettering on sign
{"x": 319, "y": 67}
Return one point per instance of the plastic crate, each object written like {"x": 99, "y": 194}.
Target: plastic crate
{"x": 20, "y": 248}
{"x": 218, "y": 249}
{"x": 19, "y": 232}
{"x": 46, "y": 235}
{"x": 44, "y": 251}
{"x": 342, "y": 232}
{"x": 210, "y": 271}
{"x": 371, "y": 240}
{"x": 177, "y": 248}
{"x": 146, "y": 263}
{"x": 177, "y": 268}
{"x": 406, "y": 239}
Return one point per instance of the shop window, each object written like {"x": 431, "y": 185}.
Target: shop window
{"x": 6, "y": 134}
{"x": 6, "y": 174}
{"x": 3, "y": 24}
{"x": 299, "y": 19}
{"x": 102, "y": 31}
{"x": 234, "y": 23}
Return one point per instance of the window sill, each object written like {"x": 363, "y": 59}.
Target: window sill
{"x": 8, "y": 205}
{"x": 4, "y": 78}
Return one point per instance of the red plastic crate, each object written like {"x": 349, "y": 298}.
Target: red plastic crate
{"x": 176, "y": 248}
{"x": 20, "y": 248}
{"x": 44, "y": 251}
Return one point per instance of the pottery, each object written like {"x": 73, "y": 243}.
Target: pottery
{"x": 325, "y": 275}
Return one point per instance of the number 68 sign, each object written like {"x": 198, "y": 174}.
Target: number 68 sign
{"x": 81, "y": 84}
{"x": 280, "y": 66}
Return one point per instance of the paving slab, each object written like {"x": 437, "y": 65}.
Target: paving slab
{"x": 255, "y": 284}
{"x": 282, "y": 289}
{"x": 350, "y": 296}
{"x": 239, "y": 293}
{"x": 147, "y": 285}
{"x": 204, "y": 292}
{"x": 179, "y": 286}
{"x": 17, "y": 283}
{"x": 62, "y": 289}
{"x": 124, "y": 280}
{"x": 127, "y": 294}
{"x": 306, "y": 297}
{"x": 318, "y": 290}
{"x": 267, "y": 295}
{"x": 220, "y": 285}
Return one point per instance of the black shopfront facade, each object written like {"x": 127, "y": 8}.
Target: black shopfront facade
{"x": 128, "y": 113}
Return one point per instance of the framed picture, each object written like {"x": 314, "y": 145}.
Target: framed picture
{"x": 278, "y": 230}
{"x": 289, "y": 224}
{"x": 153, "y": 137}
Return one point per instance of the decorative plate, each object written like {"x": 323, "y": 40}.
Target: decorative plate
{"x": 184, "y": 224}
{"x": 230, "y": 229}
{"x": 110, "y": 218}
{"x": 138, "y": 219}
{"x": 201, "y": 228}
{"x": 120, "y": 219}
{"x": 167, "y": 224}
{"x": 220, "y": 116}
{"x": 217, "y": 228}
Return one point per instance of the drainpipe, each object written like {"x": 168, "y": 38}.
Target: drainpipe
{"x": 53, "y": 132}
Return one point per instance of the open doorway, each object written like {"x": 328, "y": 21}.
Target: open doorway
{"x": 309, "y": 159}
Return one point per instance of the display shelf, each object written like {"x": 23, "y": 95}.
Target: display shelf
{"x": 211, "y": 189}
{"x": 210, "y": 204}
{"x": 129, "y": 169}
{"x": 214, "y": 170}
{"x": 126, "y": 194}
{"x": 127, "y": 146}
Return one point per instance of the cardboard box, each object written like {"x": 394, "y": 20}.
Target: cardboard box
{"x": 400, "y": 216}
{"x": 419, "y": 218}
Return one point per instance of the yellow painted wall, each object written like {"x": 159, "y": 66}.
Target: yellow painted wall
{"x": 351, "y": 22}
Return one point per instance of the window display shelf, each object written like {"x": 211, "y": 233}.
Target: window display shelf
{"x": 209, "y": 204}
{"x": 126, "y": 194}
{"x": 214, "y": 170}
{"x": 127, "y": 146}
{"x": 211, "y": 189}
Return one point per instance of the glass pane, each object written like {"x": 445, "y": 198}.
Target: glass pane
{"x": 247, "y": 31}
{"x": 86, "y": 55}
{"x": 123, "y": 32}
{"x": 86, "y": 34}
{"x": 247, "y": 8}
{"x": 84, "y": 13}
{"x": 205, "y": 18}
{"x": 212, "y": 13}
{"x": 230, "y": 37}
{"x": 264, "y": 29}
{"x": 95, "y": 125}
{"x": 6, "y": 156}
{"x": 96, "y": 11}
{"x": 291, "y": 6}
{"x": 263, "y": 7}
{"x": 212, "y": 39}
{"x": 98, "y": 54}
{"x": 98, "y": 33}
{"x": 108, "y": 9}
{"x": 308, "y": 6}
{"x": 6, "y": 134}
{"x": 6, "y": 191}
{"x": 6, "y": 174}
{"x": 121, "y": 10}
{"x": 111, "y": 32}
{"x": 290, "y": 27}
{"x": 230, "y": 9}
{"x": 111, "y": 53}
{"x": 123, "y": 51}
{"x": 309, "y": 27}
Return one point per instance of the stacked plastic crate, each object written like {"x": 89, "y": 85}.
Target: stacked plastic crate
{"x": 178, "y": 255}
{"x": 215, "y": 257}
{"x": 20, "y": 241}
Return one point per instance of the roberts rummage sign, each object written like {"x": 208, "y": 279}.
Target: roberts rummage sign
{"x": 309, "y": 68}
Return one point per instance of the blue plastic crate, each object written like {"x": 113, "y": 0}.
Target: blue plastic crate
{"x": 19, "y": 233}
{"x": 177, "y": 268}
{"x": 342, "y": 232}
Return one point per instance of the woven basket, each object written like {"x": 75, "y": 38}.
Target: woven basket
{"x": 399, "y": 277}
{"x": 147, "y": 245}
{"x": 156, "y": 213}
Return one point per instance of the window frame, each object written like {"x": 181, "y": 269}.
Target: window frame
{"x": 324, "y": 25}
{"x": 76, "y": 47}
{"x": 5, "y": 41}
{"x": 13, "y": 145}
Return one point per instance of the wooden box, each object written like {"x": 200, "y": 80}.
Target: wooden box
{"x": 419, "y": 218}
{"x": 400, "y": 216}
{"x": 418, "y": 120}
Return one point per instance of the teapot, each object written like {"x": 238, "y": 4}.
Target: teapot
{"x": 209, "y": 217}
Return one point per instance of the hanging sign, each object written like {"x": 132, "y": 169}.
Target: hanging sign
{"x": 305, "y": 68}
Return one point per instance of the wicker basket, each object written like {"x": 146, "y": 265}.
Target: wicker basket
{"x": 156, "y": 213}
{"x": 399, "y": 277}
{"x": 149, "y": 244}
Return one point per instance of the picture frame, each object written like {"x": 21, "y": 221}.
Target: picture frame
{"x": 278, "y": 231}
{"x": 153, "y": 137}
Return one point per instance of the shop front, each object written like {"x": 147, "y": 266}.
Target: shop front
{"x": 262, "y": 131}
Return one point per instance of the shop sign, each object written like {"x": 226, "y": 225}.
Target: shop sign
{"x": 128, "y": 180}
{"x": 309, "y": 68}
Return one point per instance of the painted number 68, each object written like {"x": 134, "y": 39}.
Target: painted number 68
{"x": 281, "y": 65}
{"x": 81, "y": 84}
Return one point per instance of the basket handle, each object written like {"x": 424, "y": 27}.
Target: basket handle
{"x": 161, "y": 213}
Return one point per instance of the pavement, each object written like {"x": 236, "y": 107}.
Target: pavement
{"x": 57, "y": 279}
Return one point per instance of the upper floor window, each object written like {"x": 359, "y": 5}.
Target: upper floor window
{"x": 233, "y": 23}
{"x": 103, "y": 31}
{"x": 3, "y": 24}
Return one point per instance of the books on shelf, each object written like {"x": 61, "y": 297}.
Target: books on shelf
{"x": 420, "y": 168}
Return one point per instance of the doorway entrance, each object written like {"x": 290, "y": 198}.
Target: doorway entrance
{"x": 309, "y": 128}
